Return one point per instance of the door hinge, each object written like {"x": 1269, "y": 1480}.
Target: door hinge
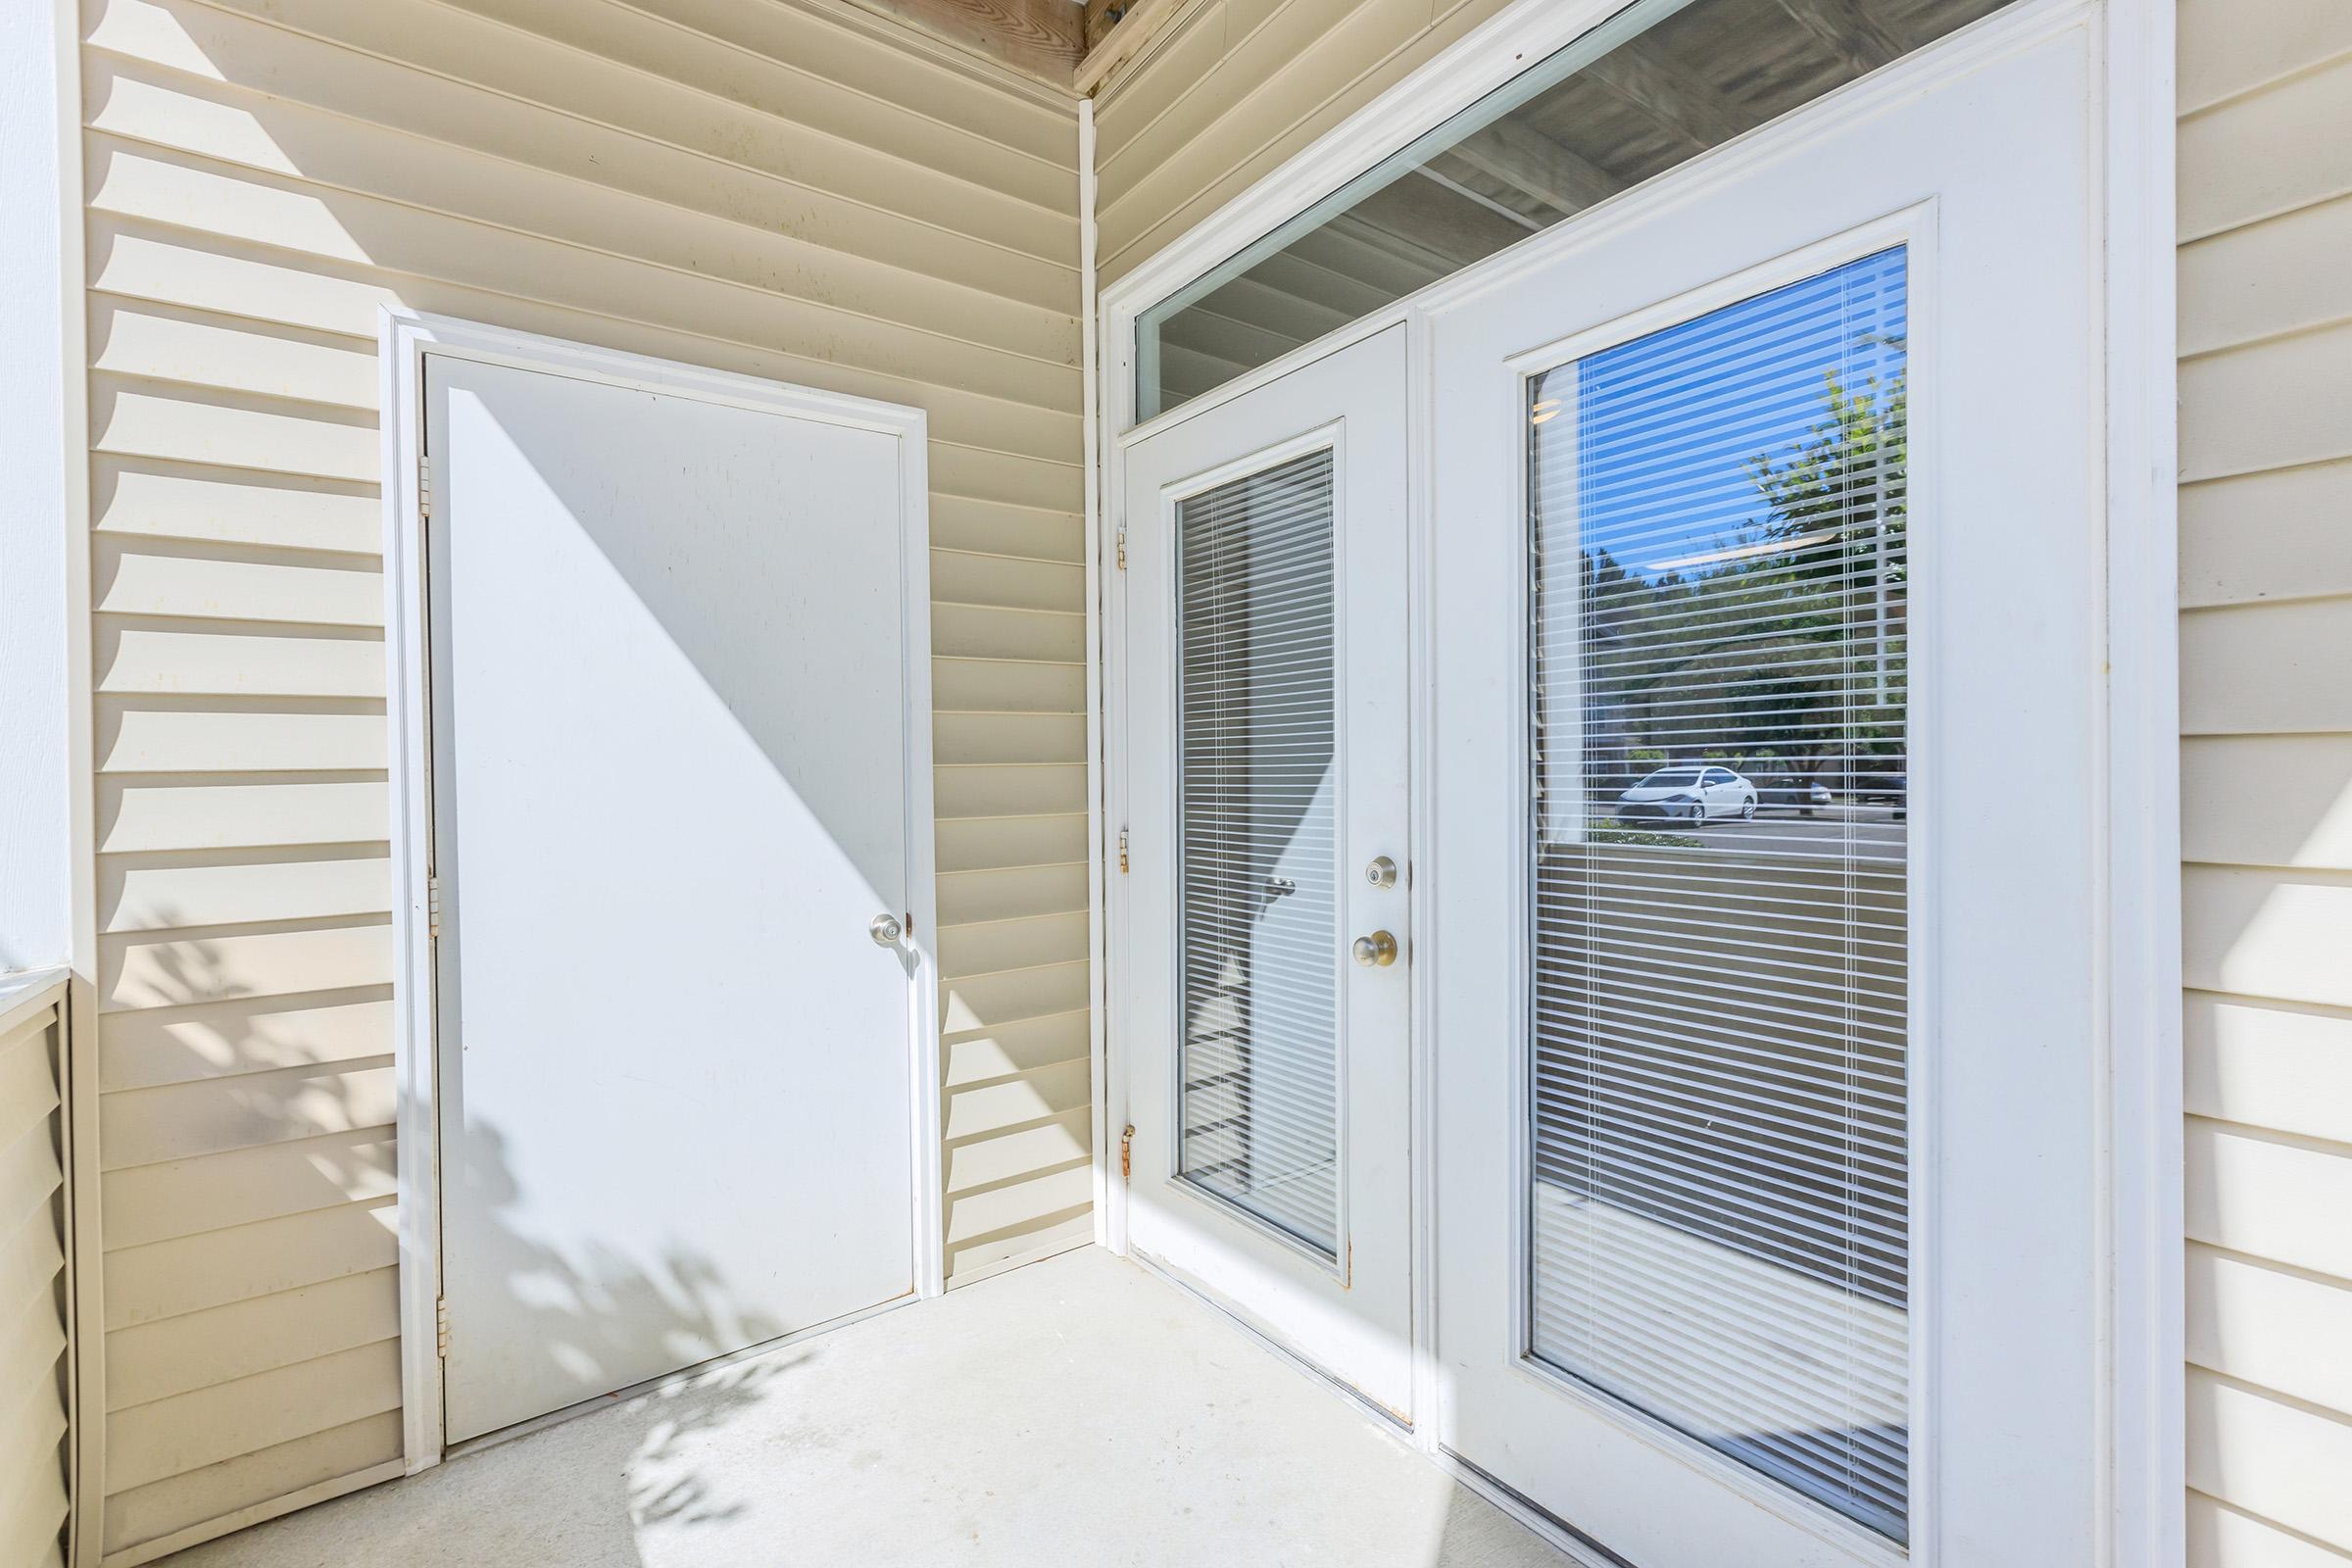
{"x": 1122, "y": 550}
{"x": 1127, "y": 1152}
{"x": 432, "y": 907}
{"x": 441, "y": 1327}
{"x": 424, "y": 488}
{"x": 1122, "y": 848}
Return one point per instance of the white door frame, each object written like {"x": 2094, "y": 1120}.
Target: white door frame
{"x": 1346, "y": 1316}
{"x": 2138, "y": 1057}
{"x": 405, "y": 339}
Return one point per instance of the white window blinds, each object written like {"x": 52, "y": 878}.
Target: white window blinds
{"x": 1258, "y": 885}
{"x": 1720, "y": 1227}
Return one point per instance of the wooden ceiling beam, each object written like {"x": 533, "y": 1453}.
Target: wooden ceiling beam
{"x": 1525, "y": 159}
{"x": 1670, "y": 93}
{"x": 1101, "y": 17}
{"x": 1135, "y": 24}
{"x": 1847, "y": 30}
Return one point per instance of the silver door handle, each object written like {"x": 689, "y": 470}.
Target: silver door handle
{"x": 1377, "y": 951}
{"x": 885, "y": 929}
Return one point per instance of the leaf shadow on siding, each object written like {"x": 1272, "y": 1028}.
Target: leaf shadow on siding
{"x": 632, "y": 1470}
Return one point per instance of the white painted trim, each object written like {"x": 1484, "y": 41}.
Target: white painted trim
{"x": 405, "y": 338}
{"x": 1331, "y": 437}
{"x": 25, "y": 992}
{"x": 1421, "y": 872}
{"x": 35, "y": 775}
{"x": 1914, "y": 230}
{"x": 417, "y": 1137}
{"x": 1097, "y": 861}
{"x": 926, "y": 1068}
{"x": 69, "y": 286}
{"x": 2145, "y": 1303}
{"x": 2140, "y": 1279}
{"x": 1106, "y": 723}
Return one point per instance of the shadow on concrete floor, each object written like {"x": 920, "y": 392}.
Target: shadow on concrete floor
{"x": 1076, "y": 1412}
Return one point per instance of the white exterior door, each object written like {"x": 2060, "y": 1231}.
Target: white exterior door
{"x": 1766, "y": 1151}
{"x": 1265, "y": 755}
{"x": 674, "y": 779}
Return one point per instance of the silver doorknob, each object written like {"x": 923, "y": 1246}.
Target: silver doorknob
{"x": 1381, "y": 873}
{"x": 885, "y": 929}
{"x": 1377, "y": 951}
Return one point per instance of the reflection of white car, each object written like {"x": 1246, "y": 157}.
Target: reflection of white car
{"x": 1690, "y": 794}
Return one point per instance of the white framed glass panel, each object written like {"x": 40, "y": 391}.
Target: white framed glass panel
{"x": 1654, "y": 85}
{"x": 1719, "y": 1229}
{"x": 1259, "y": 921}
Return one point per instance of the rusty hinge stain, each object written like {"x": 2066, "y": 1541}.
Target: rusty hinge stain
{"x": 441, "y": 1326}
{"x": 1122, "y": 848}
{"x": 1122, "y": 550}
{"x": 1127, "y": 1152}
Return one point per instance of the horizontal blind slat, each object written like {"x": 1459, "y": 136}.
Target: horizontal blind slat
{"x": 1257, "y": 853}
{"x": 1719, "y": 1085}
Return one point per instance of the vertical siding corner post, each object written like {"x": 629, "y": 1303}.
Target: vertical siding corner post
{"x": 2144, "y": 1410}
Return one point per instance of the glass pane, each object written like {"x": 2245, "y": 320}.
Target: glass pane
{"x": 1256, "y": 743}
{"x": 1720, "y": 1069}
{"x": 1658, "y": 83}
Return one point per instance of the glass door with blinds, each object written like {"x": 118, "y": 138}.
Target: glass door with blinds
{"x": 1765, "y": 620}
{"x": 1264, "y": 1018}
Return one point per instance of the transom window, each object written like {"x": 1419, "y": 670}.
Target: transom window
{"x": 1655, "y": 86}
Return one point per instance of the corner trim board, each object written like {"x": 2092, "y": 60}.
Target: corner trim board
{"x": 1097, "y": 803}
{"x": 2145, "y": 1303}
{"x": 246, "y": 1518}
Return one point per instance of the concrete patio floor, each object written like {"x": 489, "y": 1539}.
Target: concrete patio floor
{"x": 1075, "y": 1413}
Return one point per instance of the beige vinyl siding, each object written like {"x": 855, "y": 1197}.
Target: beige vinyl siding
{"x": 1234, "y": 89}
{"x": 790, "y": 189}
{"x": 34, "y": 1408}
{"x": 2265, "y": 645}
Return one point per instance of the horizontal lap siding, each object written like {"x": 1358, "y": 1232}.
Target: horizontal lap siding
{"x": 773, "y": 189}
{"x": 2266, "y": 633}
{"x": 1233, "y": 89}
{"x": 33, "y": 1291}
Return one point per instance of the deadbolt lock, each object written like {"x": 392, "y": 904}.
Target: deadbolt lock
{"x": 1381, "y": 873}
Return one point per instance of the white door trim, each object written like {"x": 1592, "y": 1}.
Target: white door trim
{"x": 2139, "y": 1056}
{"x": 405, "y": 339}
{"x": 47, "y": 644}
{"x": 2147, "y": 1437}
{"x": 1348, "y": 1309}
